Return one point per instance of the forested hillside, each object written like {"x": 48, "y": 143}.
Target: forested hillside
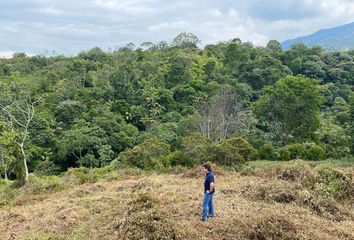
{"x": 337, "y": 38}
{"x": 157, "y": 105}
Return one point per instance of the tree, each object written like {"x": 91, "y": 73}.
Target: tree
{"x": 98, "y": 104}
{"x": 340, "y": 112}
{"x": 152, "y": 97}
{"x": 234, "y": 151}
{"x": 335, "y": 139}
{"x": 313, "y": 69}
{"x": 74, "y": 144}
{"x": 197, "y": 148}
{"x": 8, "y": 149}
{"x": 290, "y": 108}
{"x": 148, "y": 155}
{"x": 67, "y": 111}
{"x": 18, "y": 111}
{"x": 226, "y": 113}
{"x": 352, "y": 120}
{"x": 274, "y": 47}
{"x": 163, "y": 131}
{"x": 147, "y": 45}
{"x": 264, "y": 71}
{"x": 267, "y": 152}
{"x": 186, "y": 40}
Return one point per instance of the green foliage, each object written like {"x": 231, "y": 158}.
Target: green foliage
{"x": 79, "y": 176}
{"x": 148, "y": 155}
{"x": 234, "y": 151}
{"x": 335, "y": 140}
{"x": 290, "y": 107}
{"x": 197, "y": 148}
{"x": 313, "y": 152}
{"x": 9, "y": 150}
{"x": 274, "y": 47}
{"x": 284, "y": 154}
{"x": 331, "y": 181}
{"x": 81, "y": 141}
{"x": 268, "y": 152}
{"x": 90, "y": 108}
{"x": 37, "y": 185}
{"x": 352, "y": 121}
{"x": 177, "y": 158}
{"x": 186, "y": 40}
{"x": 296, "y": 150}
{"x": 69, "y": 110}
{"x": 165, "y": 131}
{"x": 45, "y": 168}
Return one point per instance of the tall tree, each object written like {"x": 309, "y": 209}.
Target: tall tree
{"x": 226, "y": 113}
{"x": 352, "y": 119}
{"x": 290, "y": 108}
{"x": 8, "y": 149}
{"x": 18, "y": 111}
{"x": 186, "y": 40}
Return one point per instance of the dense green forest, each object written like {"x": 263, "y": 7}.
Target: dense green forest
{"x": 167, "y": 104}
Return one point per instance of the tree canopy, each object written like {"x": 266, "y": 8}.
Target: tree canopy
{"x": 137, "y": 104}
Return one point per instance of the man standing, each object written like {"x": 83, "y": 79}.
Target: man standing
{"x": 209, "y": 190}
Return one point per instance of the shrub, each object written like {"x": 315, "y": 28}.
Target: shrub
{"x": 45, "y": 168}
{"x": 274, "y": 227}
{"x": 335, "y": 140}
{"x": 68, "y": 110}
{"x": 234, "y": 151}
{"x": 153, "y": 224}
{"x": 146, "y": 220}
{"x": 178, "y": 158}
{"x": 267, "y": 152}
{"x": 333, "y": 182}
{"x": 165, "y": 131}
{"x": 3, "y": 182}
{"x": 296, "y": 151}
{"x": 148, "y": 155}
{"x": 37, "y": 185}
{"x": 274, "y": 191}
{"x": 314, "y": 152}
{"x": 103, "y": 171}
{"x": 79, "y": 176}
{"x": 7, "y": 194}
{"x": 297, "y": 170}
{"x": 284, "y": 154}
{"x": 197, "y": 148}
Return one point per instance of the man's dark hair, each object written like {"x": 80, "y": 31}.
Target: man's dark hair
{"x": 207, "y": 166}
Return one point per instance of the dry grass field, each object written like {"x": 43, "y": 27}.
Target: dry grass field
{"x": 291, "y": 201}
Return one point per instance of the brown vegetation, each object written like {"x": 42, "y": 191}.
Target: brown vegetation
{"x": 262, "y": 204}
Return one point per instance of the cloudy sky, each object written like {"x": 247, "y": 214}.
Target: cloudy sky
{"x": 69, "y": 26}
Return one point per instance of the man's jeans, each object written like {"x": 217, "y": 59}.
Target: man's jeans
{"x": 208, "y": 206}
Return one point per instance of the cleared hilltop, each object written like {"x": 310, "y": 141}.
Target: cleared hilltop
{"x": 284, "y": 201}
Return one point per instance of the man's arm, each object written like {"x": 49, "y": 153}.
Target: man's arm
{"x": 211, "y": 187}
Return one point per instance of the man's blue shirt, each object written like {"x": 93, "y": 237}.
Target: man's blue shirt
{"x": 209, "y": 178}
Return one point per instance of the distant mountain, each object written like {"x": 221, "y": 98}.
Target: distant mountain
{"x": 338, "y": 38}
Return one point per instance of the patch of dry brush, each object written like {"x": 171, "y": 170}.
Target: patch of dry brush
{"x": 293, "y": 201}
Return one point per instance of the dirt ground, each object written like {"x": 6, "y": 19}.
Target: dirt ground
{"x": 167, "y": 207}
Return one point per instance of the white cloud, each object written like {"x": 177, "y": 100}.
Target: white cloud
{"x": 133, "y": 7}
{"x": 6, "y": 54}
{"x": 68, "y": 26}
{"x": 178, "y": 25}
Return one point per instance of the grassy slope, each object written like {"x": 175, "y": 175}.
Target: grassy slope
{"x": 107, "y": 210}
{"x": 345, "y": 162}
